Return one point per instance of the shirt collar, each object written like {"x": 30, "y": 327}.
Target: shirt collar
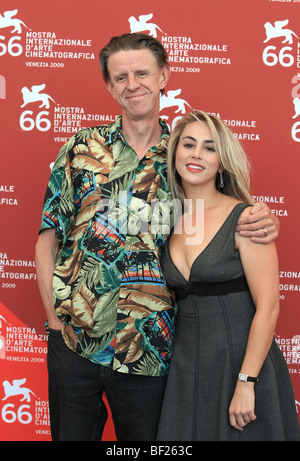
{"x": 115, "y": 133}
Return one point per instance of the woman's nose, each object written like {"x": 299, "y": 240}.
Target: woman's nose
{"x": 197, "y": 153}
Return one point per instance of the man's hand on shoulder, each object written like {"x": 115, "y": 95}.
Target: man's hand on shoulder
{"x": 261, "y": 226}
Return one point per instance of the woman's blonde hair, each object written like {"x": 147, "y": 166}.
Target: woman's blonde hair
{"x": 233, "y": 160}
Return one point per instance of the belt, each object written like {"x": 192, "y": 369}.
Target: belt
{"x": 211, "y": 289}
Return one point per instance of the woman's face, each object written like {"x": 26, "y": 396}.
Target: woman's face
{"x": 197, "y": 161}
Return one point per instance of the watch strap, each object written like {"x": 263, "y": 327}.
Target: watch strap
{"x": 246, "y": 378}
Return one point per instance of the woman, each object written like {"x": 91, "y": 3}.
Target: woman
{"x": 228, "y": 379}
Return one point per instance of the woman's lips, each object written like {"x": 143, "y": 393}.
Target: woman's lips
{"x": 194, "y": 168}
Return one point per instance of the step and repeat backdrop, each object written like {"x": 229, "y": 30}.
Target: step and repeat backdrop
{"x": 237, "y": 59}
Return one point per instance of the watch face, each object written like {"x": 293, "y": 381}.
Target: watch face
{"x": 246, "y": 378}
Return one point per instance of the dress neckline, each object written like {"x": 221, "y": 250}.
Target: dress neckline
{"x": 204, "y": 249}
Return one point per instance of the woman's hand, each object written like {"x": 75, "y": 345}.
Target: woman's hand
{"x": 241, "y": 410}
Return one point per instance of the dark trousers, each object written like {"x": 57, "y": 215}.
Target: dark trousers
{"x": 77, "y": 410}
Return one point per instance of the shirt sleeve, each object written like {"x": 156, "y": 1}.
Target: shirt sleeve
{"x": 59, "y": 203}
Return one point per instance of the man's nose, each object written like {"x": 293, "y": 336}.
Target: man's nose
{"x": 132, "y": 82}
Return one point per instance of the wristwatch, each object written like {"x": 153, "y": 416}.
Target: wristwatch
{"x": 247, "y": 378}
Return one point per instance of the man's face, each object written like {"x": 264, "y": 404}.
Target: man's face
{"x": 136, "y": 81}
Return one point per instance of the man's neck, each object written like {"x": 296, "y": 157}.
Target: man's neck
{"x": 141, "y": 135}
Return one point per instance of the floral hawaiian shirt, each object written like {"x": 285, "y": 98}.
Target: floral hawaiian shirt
{"x": 112, "y": 215}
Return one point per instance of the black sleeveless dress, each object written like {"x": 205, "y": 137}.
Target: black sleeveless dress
{"x": 215, "y": 311}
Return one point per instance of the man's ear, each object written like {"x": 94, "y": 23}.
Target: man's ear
{"x": 165, "y": 74}
{"x": 110, "y": 88}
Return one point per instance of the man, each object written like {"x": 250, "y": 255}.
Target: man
{"x": 110, "y": 314}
